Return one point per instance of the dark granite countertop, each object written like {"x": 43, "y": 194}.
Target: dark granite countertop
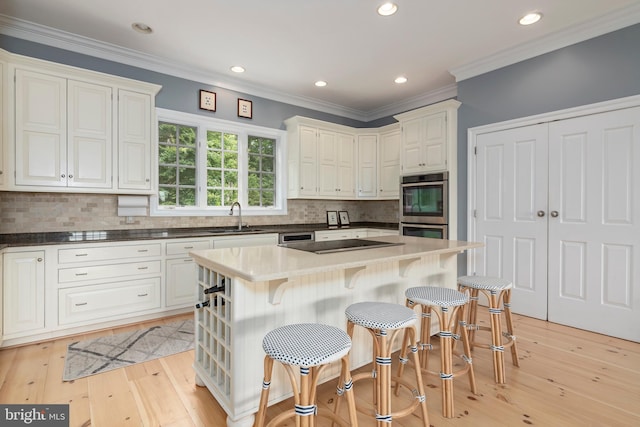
{"x": 97, "y": 236}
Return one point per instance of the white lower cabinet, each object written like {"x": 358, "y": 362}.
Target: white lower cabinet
{"x": 86, "y": 303}
{"x": 352, "y": 233}
{"x": 182, "y": 272}
{"x": 24, "y": 301}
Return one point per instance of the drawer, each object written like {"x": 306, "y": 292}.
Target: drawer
{"x": 108, "y": 271}
{"x": 107, "y": 300}
{"x": 105, "y": 253}
{"x": 183, "y": 248}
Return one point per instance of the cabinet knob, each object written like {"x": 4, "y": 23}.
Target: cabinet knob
{"x": 39, "y": 259}
{"x": 63, "y": 175}
{"x": 540, "y": 214}
{"x": 147, "y": 180}
{"x": 554, "y": 214}
{"x": 70, "y": 176}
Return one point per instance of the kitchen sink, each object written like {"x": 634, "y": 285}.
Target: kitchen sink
{"x": 235, "y": 230}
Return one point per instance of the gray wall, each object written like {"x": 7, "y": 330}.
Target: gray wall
{"x": 177, "y": 93}
{"x": 596, "y": 70}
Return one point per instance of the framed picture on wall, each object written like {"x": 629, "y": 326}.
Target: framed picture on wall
{"x": 207, "y": 100}
{"x": 343, "y": 217}
{"x": 245, "y": 108}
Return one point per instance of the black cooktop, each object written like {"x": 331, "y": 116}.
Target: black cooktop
{"x": 337, "y": 245}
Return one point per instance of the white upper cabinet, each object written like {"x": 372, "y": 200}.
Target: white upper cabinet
{"x": 3, "y": 117}
{"x": 321, "y": 159}
{"x": 134, "y": 134}
{"x": 428, "y": 137}
{"x": 367, "y": 166}
{"x": 331, "y": 161}
{"x": 77, "y": 130}
{"x": 389, "y": 164}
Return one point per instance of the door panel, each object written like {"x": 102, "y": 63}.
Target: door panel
{"x": 594, "y": 242}
{"x": 511, "y": 189}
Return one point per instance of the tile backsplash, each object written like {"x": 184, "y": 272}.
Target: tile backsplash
{"x": 45, "y": 212}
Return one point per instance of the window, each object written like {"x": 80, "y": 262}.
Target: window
{"x": 204, "y": 165}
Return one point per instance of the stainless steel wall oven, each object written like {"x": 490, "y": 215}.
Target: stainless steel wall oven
{"x": 424, "y": 201}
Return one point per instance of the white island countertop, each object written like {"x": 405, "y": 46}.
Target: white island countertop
{"x": 265, "y": 263}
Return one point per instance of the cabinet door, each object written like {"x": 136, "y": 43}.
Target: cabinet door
{"x": 23, "y": 292}
{"x": 345, "y": 170}
{"x": 412, "y": 146}
{"x": 181, "y": 275}
{"x": 435, "y": 142}
{"x": 389, "y": 169}
{"x": 367, "y": 166}
{"x": 41, "y": 129}
{"x": 134, "y": 140}
{"x": 89, "y": 132}
{"x": 308, "y": 161}
{"x": 327, "y": 150}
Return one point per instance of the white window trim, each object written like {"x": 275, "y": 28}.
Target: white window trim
{"x": 242, "y": 130}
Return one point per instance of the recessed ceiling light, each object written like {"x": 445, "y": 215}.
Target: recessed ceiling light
{"x": 320, "y": 83}
{"x": 387, "y": 9}
{"x": 400, "y": 80}
{"x": 530, "y": 18}
{"x": 142, "y": 28}
{"x": 237, "y": 69}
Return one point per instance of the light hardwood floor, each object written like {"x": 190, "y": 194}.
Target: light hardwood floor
{"x": 567, "y": 377}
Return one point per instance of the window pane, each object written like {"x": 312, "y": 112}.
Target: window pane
{"x": 230, "y": 160}
{"x": 187, "y": 156}
{"x": 268, "y": 147}
{"x": 254, "y": 198}
{"x": 167, "y": 196}
{"x": 230, "y": 179}
{"x": 167, "y": 155}
{"x": 214, "y": 140}
{"x": 254, "y": 145}
{"x": 254, "y": 180}
{"x": 187, "y": 197}
{"x": 188, "y": 176}
{"x": 268, "y": 198}
{"x": 166, "y": 175}
{"x": 230, "y": 196}
{"x": 268, "y": 181}
{"x": 267, "y": 164}
{"x": 214, "y": 178}
{"x": 230, "y": 142}
{"x": 214, "y": 197}
{"x": 167, "y": 133}
{"x": 254, "y": 163}
{"x": 188, "y": 136}
{"x": 214, "y": 159}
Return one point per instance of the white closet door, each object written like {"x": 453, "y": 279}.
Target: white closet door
{"x": 511, "y": 219}
{"x": 594, "y": 241}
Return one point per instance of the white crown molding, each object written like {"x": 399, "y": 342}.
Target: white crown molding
{"x": 613, "y": 21}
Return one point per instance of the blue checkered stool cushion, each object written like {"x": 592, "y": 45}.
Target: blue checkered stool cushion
{"x": 436, "y": 296}
{"x": 380, "y": 315}
{"x": 306, "y": 344}
{"x": 485, "y": 282}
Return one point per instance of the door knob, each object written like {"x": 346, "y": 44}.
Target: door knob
{"x": 554, "y": 214}
{"x": 540, "y": 214}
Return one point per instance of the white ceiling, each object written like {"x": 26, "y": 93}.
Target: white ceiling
{"x": 286, "y": 45}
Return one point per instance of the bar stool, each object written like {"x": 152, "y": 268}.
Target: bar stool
{"x": 378, "y": 318}
{"x": 449, "y": 305}
{"x": 497, "y": 291}
{"x": 311, "y": 347}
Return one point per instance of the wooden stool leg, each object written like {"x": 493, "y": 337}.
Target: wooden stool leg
{"x": 348, "y": 387}
{"x": 466, "y": 347}
{"x": 509, "y": 321}
{"x": 383, "y": 378}
{"x": 264, "y": 395}
{"x": 446, "y": 363}
{"x": 419, "y": 382}
{"x": 424, "y": 346}
{"x": 496, "y": 338}
{"x": 403, "y": 359}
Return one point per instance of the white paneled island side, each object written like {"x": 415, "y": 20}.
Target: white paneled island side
{"x": 263, "y": 287}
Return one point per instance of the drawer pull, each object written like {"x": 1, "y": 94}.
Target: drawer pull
{"x": 81, "y": 274}
{"x": 78, "y": 304}
{"x": 143, "y": 268}
{"x": 143, "y": 250}
{"x": 188, "y": 247}
{"x": 142, "y": 295}
{"x": 82, "y": 254}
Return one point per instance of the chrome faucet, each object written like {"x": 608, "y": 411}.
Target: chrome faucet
{"x": 239, "y": 213}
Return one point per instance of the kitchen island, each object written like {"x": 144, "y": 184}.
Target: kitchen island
{"x": 257, "y": 289}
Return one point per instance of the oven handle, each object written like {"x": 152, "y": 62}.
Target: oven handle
{"x": 410, "y": 224}
{"x": 424, "y": 184}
